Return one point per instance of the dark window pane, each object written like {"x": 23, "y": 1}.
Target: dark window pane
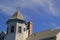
{"x": 24, "y": 29}
{"x": 19, "y": 29}
{"x": 12, "y": 29}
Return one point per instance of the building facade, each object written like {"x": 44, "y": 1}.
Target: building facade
{"x": 19, "y": 29}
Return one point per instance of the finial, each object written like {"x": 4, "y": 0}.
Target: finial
{"x": 18, "y": 8}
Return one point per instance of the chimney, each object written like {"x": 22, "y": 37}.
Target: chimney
{"x": 30, "y": 28}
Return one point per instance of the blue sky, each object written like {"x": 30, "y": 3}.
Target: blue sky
{"x": 44, "y": 14}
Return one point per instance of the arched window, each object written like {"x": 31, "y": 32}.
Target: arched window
{"x": 12, "y": 29}
{"x": 19, "y": 29}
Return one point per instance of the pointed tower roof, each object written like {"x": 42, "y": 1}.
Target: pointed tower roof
{"x": 17, "y": 15}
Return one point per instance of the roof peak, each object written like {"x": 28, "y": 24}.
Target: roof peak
{"x": 17, "y": 15}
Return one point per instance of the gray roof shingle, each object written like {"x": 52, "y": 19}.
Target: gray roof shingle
{"x": 44, "y": 34}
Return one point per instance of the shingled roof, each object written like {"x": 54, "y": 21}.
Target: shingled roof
{"x": 17, "y": 15}
{"x": 44, "y": 34}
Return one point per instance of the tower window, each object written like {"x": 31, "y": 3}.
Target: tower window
{"x": 12, "y": 29}
{"x": 19, "y": 29}
{"x": 24, "y": 29}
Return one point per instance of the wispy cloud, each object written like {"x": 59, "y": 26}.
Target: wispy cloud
{"x": 6, "y": 9}
{"x": 47, "y": 5}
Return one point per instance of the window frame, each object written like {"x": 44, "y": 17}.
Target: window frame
{"x": 12, "y": 29}
{"x": 19, "y": 29}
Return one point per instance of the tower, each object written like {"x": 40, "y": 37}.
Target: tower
{"x": 16, "y": 29}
